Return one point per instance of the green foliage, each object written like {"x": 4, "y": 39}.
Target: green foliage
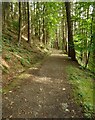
{"x": 83, "y": 88}
{"x": 25, "y": 62}
{"x": 28, "y": 59}
{"x": 6, "y": 39}
{"x": 7, "y": 57}
{"x": 83, "y": 32}
{"x": 15, "y": 25}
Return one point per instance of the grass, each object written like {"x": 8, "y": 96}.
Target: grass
{"x": 83, "y": 87}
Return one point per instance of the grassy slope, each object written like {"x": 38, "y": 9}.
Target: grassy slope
{"x": 19, "y": 59}
{"x": 83, "y": 87}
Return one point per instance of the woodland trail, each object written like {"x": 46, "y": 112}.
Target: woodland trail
{"x": 46, "y": 93}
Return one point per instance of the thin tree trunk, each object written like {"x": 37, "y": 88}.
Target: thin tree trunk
{"x": 29, "y": 22}
{"x": 65, "y": 36}
{"x": 20, "y": 24}
{"x": 92, "y": 39}
{"x": 39, "y": 29}
{"x": 85, "y": 41}
{"x": 43, "y": 24}
{"x": 56, "y": 42}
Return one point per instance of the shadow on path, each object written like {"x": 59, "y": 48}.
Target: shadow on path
{"x": 46, "y": 93}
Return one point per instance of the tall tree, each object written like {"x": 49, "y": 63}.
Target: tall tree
{"x": 94, "y": 36}
{"x": 91, "y": 40}
{"x": 44, "y": 24}
{"x": 29, "y": 22}
{"x": 71, "y": 50}
{"x": 20, "y": 23}
{"x": 63, "y": 30}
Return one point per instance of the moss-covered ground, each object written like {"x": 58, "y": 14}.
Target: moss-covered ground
{"x": 83, "y": 87}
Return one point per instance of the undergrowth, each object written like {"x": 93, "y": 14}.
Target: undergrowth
{"x": 18, "y": 59}
{"x": 83, "y": 88}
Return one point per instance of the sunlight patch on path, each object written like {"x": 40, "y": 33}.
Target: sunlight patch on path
{"x": 58, "y": 55}
{"x": 45, "y": 80}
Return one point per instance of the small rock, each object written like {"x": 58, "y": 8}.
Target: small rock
{"x": 25, "y": 100}
{"x": 10, "y": 116}
{"x": 73, "y": 111}
{"x": 11, "y": 107}
{"x": 6, "y": 98}
{"x": 67, "y": 110}
{"x": 19, "y": 113}
{"x": 11, "y": 103}
{"x": 10, "y": 91}
{"x": 41, "y": 89}
{"x": 31, "y": 112}
{"x": 63, "y": 89}
{"x": 40, "y": 106}
{"x": 18, "y": 87}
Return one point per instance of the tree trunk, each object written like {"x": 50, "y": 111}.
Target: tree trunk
{"x": 85, "y": 40}
{"x": 92, "y": 41}
{"x": 20, "y": 24}
{"x": 29, "y": 23}
{"x": 56, "y": 42}
{"x": 65, "y": 36}
{"x": 3, "y": 11}
{"x": 94, "y": 36}
{"x": 63, "y": 31}
{"x": 71, "y": 50}
{"x": 43, "y": 25}
{"x": 63, "y": 45}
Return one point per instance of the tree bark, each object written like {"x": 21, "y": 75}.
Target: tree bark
{"x": 20, "y": 24}
{"x": 93, "y": 37}
{"x": 29, "y": 23}
{"x": 92, "y": 41}
{"x": 71, "y": 50}
{"x": 43, "y": 24}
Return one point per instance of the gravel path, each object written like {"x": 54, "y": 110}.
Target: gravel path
{"x": 44, "y": 93}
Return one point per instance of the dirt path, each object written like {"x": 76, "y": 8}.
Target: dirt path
{"x": 46, "y": 93}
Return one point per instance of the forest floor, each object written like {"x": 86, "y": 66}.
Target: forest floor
{"x": 43, "y": 92}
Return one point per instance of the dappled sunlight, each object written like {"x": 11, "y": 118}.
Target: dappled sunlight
{"x": 25, "y": 38}
{"x": 47, "y": 67}
{"x": 18, "y": 56}
{"x": 56, "y": 54}
{"x": 24, "y": 76}
{"x": 33, "y": 68}
{"x": 44, "y": 80}
{"x": 4, "y": 63}
{"x": 59, "y": 55}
